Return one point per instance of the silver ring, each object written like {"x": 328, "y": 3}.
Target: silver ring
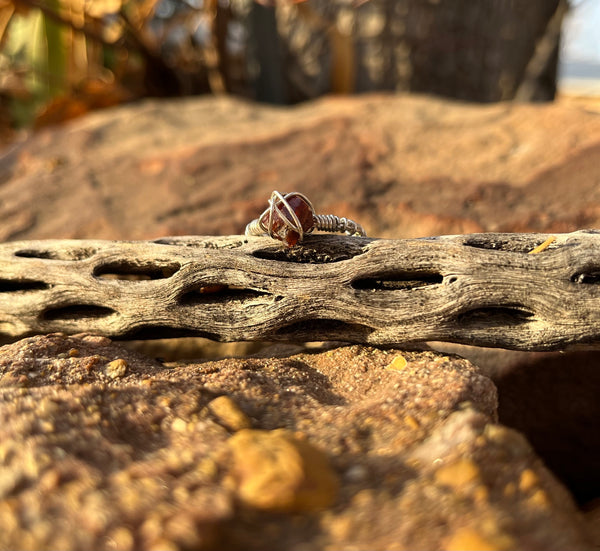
{"x": 289, "y": 217}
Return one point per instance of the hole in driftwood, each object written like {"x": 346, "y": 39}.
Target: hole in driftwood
{"x": 323, "y": 329}
{"x": 514, "y": 243}
{"x": 396, "y": 281}
{"x": 321, "y": 249}
{"x": 124, "y": 270}
{"x": 217, "y": 293}
{"x": 16, "y": 285}
{"x": 495, "y": 316}
{"x": 148, "y": 333}
{"x": 77, "y": 312}
{"x": 60, "y": 254}
{"x": 186, "y": 242}
{"x": 592, "y": 278}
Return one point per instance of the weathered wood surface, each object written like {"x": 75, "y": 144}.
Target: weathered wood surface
{"x": 480, "y": 289}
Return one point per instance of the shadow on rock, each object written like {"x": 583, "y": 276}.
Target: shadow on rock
{"x": 553, "y": 400}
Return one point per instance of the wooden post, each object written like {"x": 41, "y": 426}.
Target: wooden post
{"x": 479, "y": 289}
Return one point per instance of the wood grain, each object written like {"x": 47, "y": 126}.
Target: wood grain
{"x": 479, "y": 289}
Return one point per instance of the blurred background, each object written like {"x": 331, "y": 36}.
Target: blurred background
{"x": 62, "y": 58}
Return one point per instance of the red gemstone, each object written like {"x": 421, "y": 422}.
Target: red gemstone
{"x": 286, "y": 230}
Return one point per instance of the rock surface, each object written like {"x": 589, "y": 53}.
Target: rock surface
{"x": 402, "y": 165}
{"x": 361, "y": 453}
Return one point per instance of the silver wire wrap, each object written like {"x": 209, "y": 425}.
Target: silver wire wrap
{"x": 254, "y": 228}
{"x": 333, "y": 223}
{"x": 322, "y": 222}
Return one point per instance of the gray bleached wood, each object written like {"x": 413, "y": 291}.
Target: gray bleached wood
{"x": 479, "y": 289}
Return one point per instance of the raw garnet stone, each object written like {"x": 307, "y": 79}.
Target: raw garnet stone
{"x": 280, "y": 229}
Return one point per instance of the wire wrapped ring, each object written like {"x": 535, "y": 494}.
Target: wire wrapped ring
{"x": 290, "y": 216}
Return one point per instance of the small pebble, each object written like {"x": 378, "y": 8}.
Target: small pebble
{"x": 458, "y": 474}
{"x": 470, "y": 539}
{"x": 122, "y": 539}
{"x": 411, "y": 422}
{"x": 229, "y": 413}
{"x": 528, "y": 480}
{"x": 539, "y": 499}
{"x": 356, "y": 473}
{"x": 116, "y": 369}
{"x": 274, "y": 471}
{"x": 179, "y": 425}
{"x": 397, "y": 364}
{"x": 96, "y": 340}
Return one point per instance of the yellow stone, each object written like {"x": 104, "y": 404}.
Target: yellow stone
{"x": 341, "y": 528}
{"x": 229, "y": 413}
{"x": 397, "y": 364}
{"x": 208, "y": 467}
{"x": 9, "y": 517}
{"x": 411, "y": 422}
{"x": 364, "y": 498}
{"x": 528, "y": 480}
{"x": 179, "y": 425}
{"x": 470, "y": 539}
{"x": 180, "y": 494}
{"x": 539, "y": 499}
{"x": 458, "y": 474}
{"x": 274, "y": 471}
{"x": 116, "y": 369}
{"x": 122, "y": 538}
{"x": 165, "y": 401}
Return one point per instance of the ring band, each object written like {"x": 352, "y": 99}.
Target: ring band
{"x": 290, "y": 216}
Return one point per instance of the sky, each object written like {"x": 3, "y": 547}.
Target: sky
{"x": 582, "y": 32}
{"x": 579, "y": 68}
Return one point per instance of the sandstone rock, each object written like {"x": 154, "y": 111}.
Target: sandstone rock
{"x": 552, "y": 399}
{"x": 143, "y": 460}
{"x": 401, "y": 165}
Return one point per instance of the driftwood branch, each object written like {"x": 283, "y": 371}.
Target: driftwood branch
{"x": 481, "y": 289}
